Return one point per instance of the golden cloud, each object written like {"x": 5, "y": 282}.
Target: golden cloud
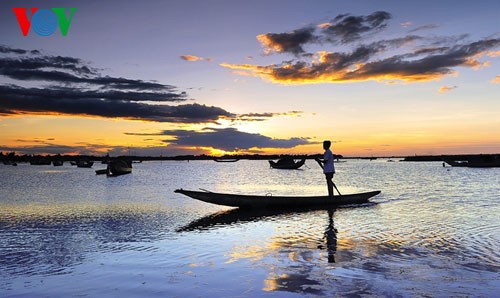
{"x": 321, "y": 72}
{"x": 445, "y": 89}
{"x": 192, "y": 58}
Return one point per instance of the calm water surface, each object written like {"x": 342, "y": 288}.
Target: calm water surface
{"x": 65, "y": 232}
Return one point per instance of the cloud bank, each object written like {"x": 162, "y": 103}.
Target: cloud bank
{"x": 410, "y": 58}
{"x": 71, "y": 86}
{"x": 227, "y": 139}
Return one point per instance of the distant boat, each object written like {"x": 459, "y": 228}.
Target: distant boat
{"x": 283, "y": 202}
{"x": 119, "y": 167}
{"x": 73, "y": 163}
{"x": 226, "y": 159}
{"x": 476, "y": 161}
{"x": 287, "y": 163}
{"x": 84, "y": 164}
{"x": 57, "y": 163}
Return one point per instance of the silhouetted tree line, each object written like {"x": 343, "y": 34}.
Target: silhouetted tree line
{"x": 13, "y": 157}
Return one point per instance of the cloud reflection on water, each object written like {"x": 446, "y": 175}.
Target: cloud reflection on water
{"x": 53, "y": 239}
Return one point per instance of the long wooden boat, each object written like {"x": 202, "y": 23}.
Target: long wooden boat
{"x": 226, "y": 159}
{"x": 287, "y": 164}
{"x": 253, "y": 201}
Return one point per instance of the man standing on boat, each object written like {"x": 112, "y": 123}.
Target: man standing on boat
{"x": 328, "y": 167}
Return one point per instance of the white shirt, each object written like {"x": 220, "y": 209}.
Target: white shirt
{"x": 329, "y": 167}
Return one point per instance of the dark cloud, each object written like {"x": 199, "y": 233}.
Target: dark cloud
{"x": 348, "y": 28}
{"x": 425, "y": 27}
{"x": 264, "y": 116}
{"x": 68, "y": 70}
{"x": 227, "y": 139}
{"x": 9, "y": 50}
{"x": 19, "y": 100}
{"x": 290, "y": 42}
{"x": 344, "y": 28}
{"x": 429, "y": 67}
{"x": 76, "y": 88}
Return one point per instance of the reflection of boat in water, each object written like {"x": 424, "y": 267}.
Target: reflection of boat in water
{"x": 119, "y": 167}
{"x": 238, "y": 216}
{"x": 229, "y": 217}
{"x": 283, "y": 202}
{"x": 476, "y": 161}
{"x": 226, "y": 159}
{"x": 84, "y": 164}
{"x": 287, "y": 163}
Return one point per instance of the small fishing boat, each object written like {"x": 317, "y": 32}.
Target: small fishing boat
{"x": 40, "y": 162}
{"x": 287, "y": 163}
{"x": 269, "y": 201}
{"x": 119, "y": 167}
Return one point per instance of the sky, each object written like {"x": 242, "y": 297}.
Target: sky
{"x": 377, "y": 78}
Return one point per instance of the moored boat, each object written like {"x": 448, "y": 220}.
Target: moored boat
{"x": 57, "y": 163}
{"x": 40, "y": 162}
{"x": 476, "y": 161}
{"x": 119, "y": 167}
{"x": 255, "y": 201}
{"x": 287, "y": 163}
{"x": 84, "y": 164}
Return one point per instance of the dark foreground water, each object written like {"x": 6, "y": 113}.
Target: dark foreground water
{"x": 65, "y": 232}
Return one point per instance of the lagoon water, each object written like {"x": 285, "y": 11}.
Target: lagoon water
{"x": 432, "y": 232}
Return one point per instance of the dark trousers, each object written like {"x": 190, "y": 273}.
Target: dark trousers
{"x": 329, "y": 183}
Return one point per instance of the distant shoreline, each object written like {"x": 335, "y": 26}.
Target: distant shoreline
{"x": 417, "y": 158}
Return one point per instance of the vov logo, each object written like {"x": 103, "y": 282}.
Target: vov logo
{"x": 44, "y": 21}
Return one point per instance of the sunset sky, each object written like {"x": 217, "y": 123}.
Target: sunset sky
{"x": 378, "y": 78}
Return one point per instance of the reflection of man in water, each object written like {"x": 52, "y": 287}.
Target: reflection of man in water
{"x": 331, "y": 238}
